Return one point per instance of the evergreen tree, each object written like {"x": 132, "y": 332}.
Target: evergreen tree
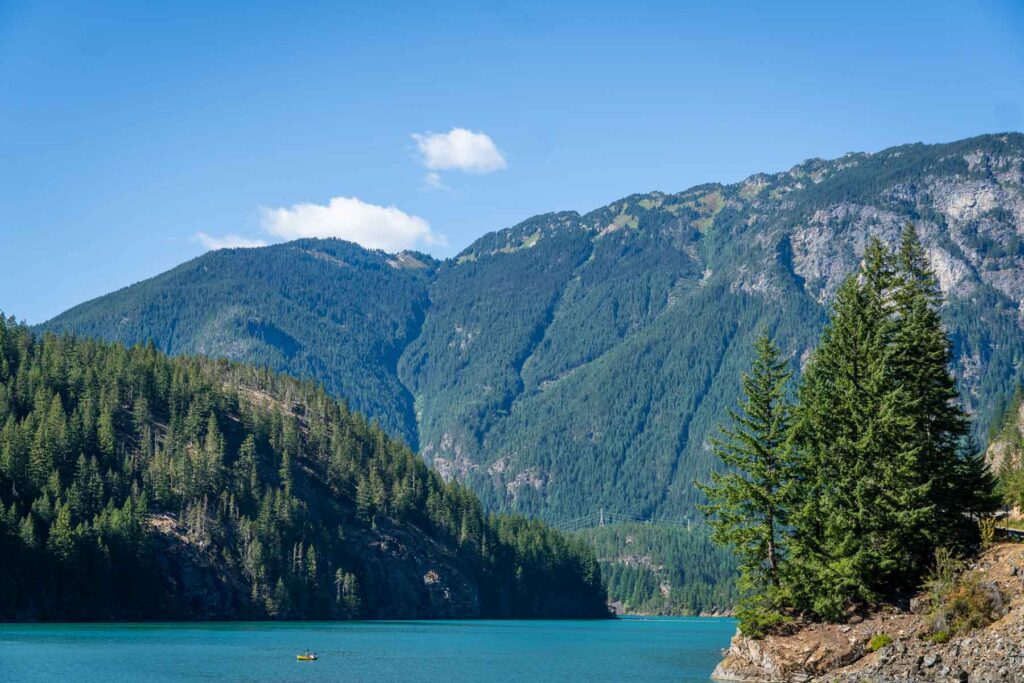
{"x": 350, "y": 594}
{"x": 860, "y": 499}
{"x": 378, "y": 491}
{"x": 311, "y": 565}
{"x": 246, "y": 474}
{"x": 61, "y": 542}
{"x": 364, "y": 499}
{"x": 977, "y": 489}
{"x": 107, "y": 433}
{"x": 947, "y": 459}
{"x": 747, "y": 503}
{"x": 879, "y": 436}
{"x": 27, "y": 531}
{"x": 285, "y": 472}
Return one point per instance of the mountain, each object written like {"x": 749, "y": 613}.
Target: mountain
{"x": 328, "y": 310}
{"x": 574, "y": 363}
{"x": 134, "y": 486}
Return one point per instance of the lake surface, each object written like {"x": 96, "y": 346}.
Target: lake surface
{"x": 677, "y": 650}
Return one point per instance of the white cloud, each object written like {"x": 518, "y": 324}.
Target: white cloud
{"x": 349, "y": 218}
{"x": 459, "y": 150}
{"x": 230, "y": 241}
{"x": 432, "y": 181}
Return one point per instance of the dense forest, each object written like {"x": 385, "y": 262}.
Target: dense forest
{"x": 664, "y": 569}
{"x": 849, "y": 493}
{"x": 137, "y": 486}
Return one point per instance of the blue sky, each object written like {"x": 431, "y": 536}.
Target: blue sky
{"x": 132, "y": 130}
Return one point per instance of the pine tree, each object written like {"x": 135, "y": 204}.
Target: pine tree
{"x": 858, "y": 497}
{"x": 378, "y": 490}
{"x": 61, "y": 542}
{"x": 14, "y": 453}
{"x": 350, "y": 594}
{"x": 880, "y": 436}
{"x": 976, "y": 491}
{"x": 747, "y": 504}
{"x": 938, "y": 426}
{"x": 40, "y": 461}
{"x": 280, "y": 605}
{"x": 107, "y": 434}
{"x": 285, "y": 472}
{"x": 211, "y": 461}
{"x": 246, "y": 474}
{"x": 27, "y": 531}
{"x": 311, "y": 566}
{"x": 364, "y": 499}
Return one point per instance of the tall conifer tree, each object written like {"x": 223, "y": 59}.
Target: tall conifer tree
{"x": 747, "y": 503}
{"x": 845, "y": 409}
{"x": 939, "y": 428}
{"x": 880, "y": 438}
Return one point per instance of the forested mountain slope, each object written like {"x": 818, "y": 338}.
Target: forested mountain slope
{"x": 328, "y": 310}
{"x": 663, "y": 569}
{"x": 133, "y": 486}
{"x": 574, "y": 362}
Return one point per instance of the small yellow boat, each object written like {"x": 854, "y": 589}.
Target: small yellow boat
{"x": 308, "y": 657}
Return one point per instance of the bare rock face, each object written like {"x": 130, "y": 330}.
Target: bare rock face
{"x": 1006, "y": 447}
{"x": 830, "y": 244}
{"x": 839, "y": 653}
{"x": 409, "y": 577}
{"x": 808, "y": 654}
{"x": 993, "y": 655}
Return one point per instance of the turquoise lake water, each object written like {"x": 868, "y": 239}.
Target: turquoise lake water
{"x": 677, "y": 650}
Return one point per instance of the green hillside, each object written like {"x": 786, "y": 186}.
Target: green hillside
{"x": 663, "y": 569}
{"x": 134, "y": 486}
{"x": 324, "y": 310}
{"x": 577, "y": 362}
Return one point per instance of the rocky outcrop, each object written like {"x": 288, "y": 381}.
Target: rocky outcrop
{"x": 810, "y": 653}
{"x": 994, "y": 654}
{"x": 841, "y": 653}
{"x": 1005, "y": 448}
{"x": 405, "y": 576}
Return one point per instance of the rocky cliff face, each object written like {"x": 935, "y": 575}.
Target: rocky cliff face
{"x": 840, "y": 653}
{"x": 1006, "y": 447}
{"x": 406, "y": 576}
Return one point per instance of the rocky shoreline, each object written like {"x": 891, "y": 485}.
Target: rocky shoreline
{"x": 841, "y": 653}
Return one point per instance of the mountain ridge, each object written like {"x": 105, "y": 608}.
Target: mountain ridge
{"x": 578, "y": 360}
